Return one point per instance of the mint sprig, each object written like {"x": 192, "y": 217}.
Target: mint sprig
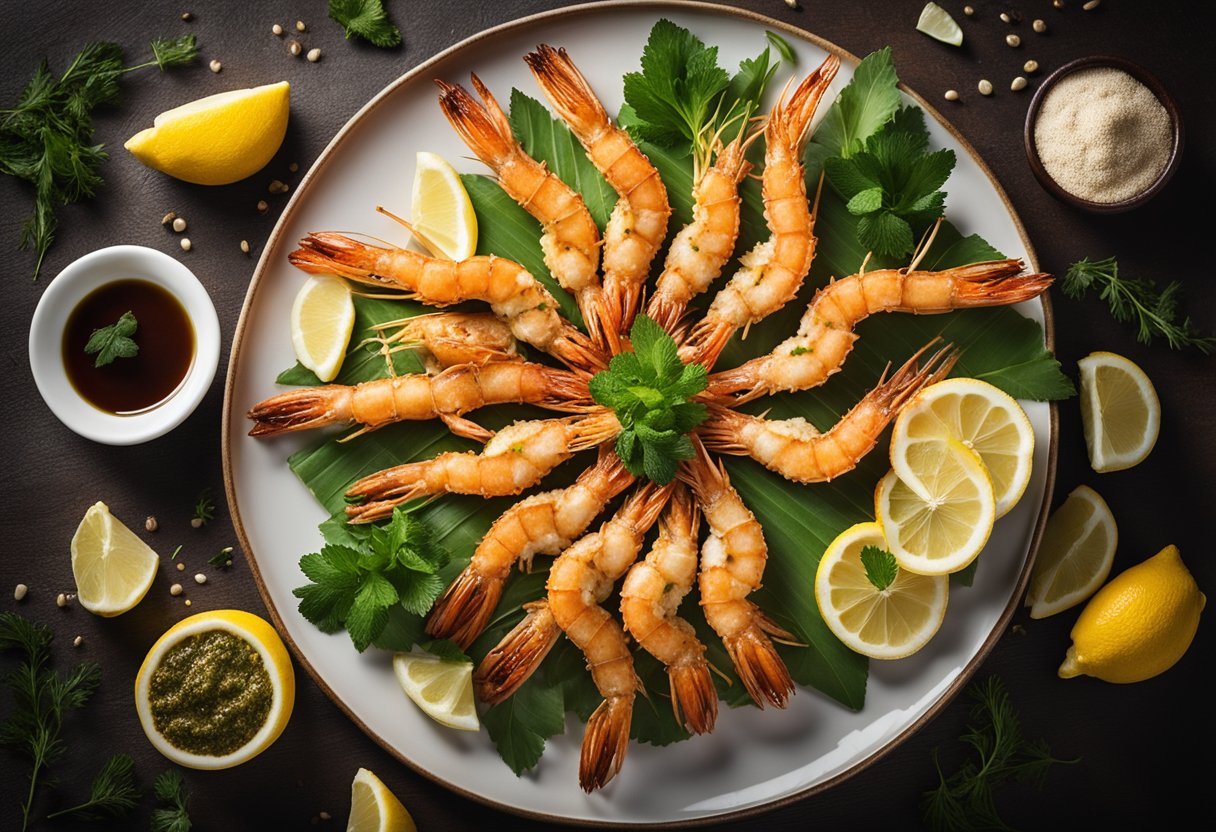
{"x": 649, "y": 390}
{"x": 114, "y": 341}
{"x": 881, "y": 568}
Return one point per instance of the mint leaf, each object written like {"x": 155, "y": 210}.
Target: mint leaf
{"x": 114, "y": 341}
{"x": 367, "y": 19}
{"x": 886, "y": 233}
{"x": 865, "y": 105}
{"x": 520, "y": 725}
{"x": 880, "y": 566}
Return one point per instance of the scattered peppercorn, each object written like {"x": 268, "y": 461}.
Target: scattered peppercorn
{"x": 150, "y": 524}
{"x": 263, "y": 206}
{"x": 200, "y": 578}
{"x": 187, "y": 602}
{"x": 19, "y": 592}
{"x": 245, "y": 246}
{"x": 175, "y": 590}
{"x": 314, "y": 55}
{"x": 79, "y": 640}
{"x": 196, "y": 522}
{"x": 1059, "y": 4}
{"x": 1031, "y": 66}
{"x": 952, "y": 95}
{"x": 968, "y": 10}
{"x": 185, "y": 244}
{"x": 300, "y": 27}
{"x": 293, "y": 167}
{"x": 181, "y": 567}
{"x": 1018, "y": 84}
{"x": 168, "y": 218}
{"x": 1039, "y": 25}
{"x": 61, "y": 601}
{"x": 1005, "y": 18}
{"x": 179, "y": 224}
{"x": 277, "y": 29}
{"x": 294, "y": 47}
{"x": 1091, "y": 5}
{"x": 1013, "y": 40}
{"x": 187, "y": 17}
{"x": 985, "y": 87}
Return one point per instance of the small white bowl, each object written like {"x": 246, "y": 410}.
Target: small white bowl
{"x": 67, "y": 290}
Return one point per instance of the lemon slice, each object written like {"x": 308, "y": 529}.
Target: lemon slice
{"x": 443, "y": 689}
{"x": 1120, "y": 412}
{"x": 888, "y": 623}
{"x": 219, "y": 139}
{"x": 937, "y": 508}
{"x": 1075, "y": 555}
{"x": 1139, "y": 624}
{"x": 322, "y": 319}
{"x": 374, "y": 808}
{"x": 215, "y": 690}
{"x": 441, "y": 214}
{"x": 113, "y": 568}
{"x": 937, "y": 23}
{"x": 984, "y": 418}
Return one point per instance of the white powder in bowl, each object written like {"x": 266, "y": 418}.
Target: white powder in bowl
{"x": 1102, "y": 135}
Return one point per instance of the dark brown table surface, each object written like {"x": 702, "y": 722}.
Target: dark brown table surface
{"x": 1144, "y": 749}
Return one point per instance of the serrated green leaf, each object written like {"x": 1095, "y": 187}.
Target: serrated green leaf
{"x": 865, "y": 202}
{"x": 520, "y": 725}
{"x": 867, "y": 103}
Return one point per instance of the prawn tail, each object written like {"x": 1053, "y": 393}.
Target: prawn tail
{"x": 567, "y": 89}
{"x": 666, "y": 311}
{"x": 795, "y": 116}
{"x": 757, "y": 662}
{"x": 893, "y": 393}
{"x": 996, "y": 283}
{"x": 706, "y": 341}
{"x": 513, "y": 660}
{"x": 300, "y": 409}
{"x": 326, "y": 252}
{"x": 478, "y": 125}
{"x": 693, "y": 697}
{"x": 381, "y": 492}
{"x": 465, "y": 608}
{"x": 605, "y": 742}
{"x": 577, "y": 350}
{"x": 590, "y": 431}
{"x": 736, "y": 385}
{"x": 566, "y": 391}
{"x": 723, "y": 430}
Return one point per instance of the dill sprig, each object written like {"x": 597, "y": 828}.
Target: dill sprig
{"x": 47, "y": 137}
{"x": 41, "y": 698}
{"x": 1154, "y": 310}
{"x": 966, "y": 800}
{"x": 170, "y": 788}
{"x": 204, "y": 508}
{"x": 113, "y": 792}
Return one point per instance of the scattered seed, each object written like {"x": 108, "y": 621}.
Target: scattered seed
{"x": 1018, "y": 84}
{"x": 300, "y": 27}
{"x": 1039, "y": 26}
{"x": 1031, "y": 66}
{"x": 1005, "y": 18}
{"x": 967, "y": 10}
{"x": 1091, "y": 5}
{"x": 216, "y": 66}
{"x": 179, "y": 224}
{"x": 277, "y": 29}
{"x": 314, "y": 55}
{"x": 793, "y": 4}
{"x": 150, "y": 524}
{"x": 1059, "y": 4}
{"x": 325, "y": 815}
{"x": 952, "y": 95}
{"x": 245, "y": 246}
{"x": 294, "y": 47}
{"x": 275, "y": 187}
{"x": 200, "y": 578}
{"x": 187, "y": 602}
{"x": 19, "y": 592}
{"x": 293, "y": 167}
{"x": 186, "y": 16}
{"x": 175, "y": 590}
{"x": 185, "y": 243}
{"x": 195, "y": 522}
{"x": 79, "y": 640}
{"x": 985, "y": 87}
{"x": 1013, "y": 40}
{"x": 262, "y": 206}
{"x": 168, "y": 218}
{"x": 1018, "y": 630}
{"x": 61, "y": 601}
{"x": 181, "y": 567}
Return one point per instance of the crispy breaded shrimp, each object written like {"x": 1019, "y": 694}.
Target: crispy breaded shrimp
{"x": 540, "y": 524}
{"x": 513, "y": 294}
{"x": 445, "y": 339}
{"x": 453, "y": 392}
{"x": 638, "y": 223}
{"x": 579, "y": 581}
{"x": 825, "y": 335}
{"x": 650, "y": 597}
{"x": 605, "y": 553}
{"x": 774, "y": 270}
{"x": 516, "y": 458}
{"x": 732, "y": 564}
{"x": 571, "y": 240}
{"x": 797, "y": 451}
{"x": 701, "y": 248}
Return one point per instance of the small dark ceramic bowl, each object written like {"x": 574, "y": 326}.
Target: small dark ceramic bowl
{"x": 1144, "y": 77}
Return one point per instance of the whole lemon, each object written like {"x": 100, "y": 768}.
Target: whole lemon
{"x": 1139, "y": 624}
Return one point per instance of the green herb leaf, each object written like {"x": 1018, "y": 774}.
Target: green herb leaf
{"x": 1155, "y": 311}
{"x": 367, "y": 19}
{"x": 204, "y": 507}
{"x": 880, "y": 566}
{"x": 520, "y": 725}
{"x": 867, "y": 103}
{"x": 113, "y": 793}
{"x": 221, "y": 559}
{"x": 782, "y": 46}
{"x": 113, "y": 341}
{"x": 171, "y": 788}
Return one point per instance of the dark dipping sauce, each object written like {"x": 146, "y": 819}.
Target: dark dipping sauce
{"x": 166, "y": 347}
{"x": 210, "y": 694}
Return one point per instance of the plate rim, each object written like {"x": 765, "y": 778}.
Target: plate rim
{"x": 230, "y": 418}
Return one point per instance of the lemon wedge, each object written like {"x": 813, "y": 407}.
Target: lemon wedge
{"x": 984, "y": 418}
{"x": 1120, "y": 412}
{"x": 441, "y": 213}
{"x": 442, "y": 689}
{"x": 219, "y": 139}
{"x": 374, "y": 808}
{"x": 322, "y": 319}
{"x": 937, "y": 508}
{"x": 937, "y": 23}
{"x": 888, "y": 623}
{"x": 1075, "y": 555}
{"x": 1139, "y": 624}
{"x": 113, "y": 568}
{"x": 215, "y": 690}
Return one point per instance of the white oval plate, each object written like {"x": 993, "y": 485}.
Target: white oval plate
{"x": 754, "y": 759}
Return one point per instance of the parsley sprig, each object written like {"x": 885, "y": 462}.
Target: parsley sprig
{"x": 649, "y": 390}
{"x": 1154, "y": 310}
{"x": 114, "y": 341}
{"x": 355, "y": 586}
{"x": 46, "y": 138}
{"x": 367, "y": 19}
{"x": 966, "y": 799}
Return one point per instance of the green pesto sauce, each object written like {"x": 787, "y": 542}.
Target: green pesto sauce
{"x": 210, "y": 694}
